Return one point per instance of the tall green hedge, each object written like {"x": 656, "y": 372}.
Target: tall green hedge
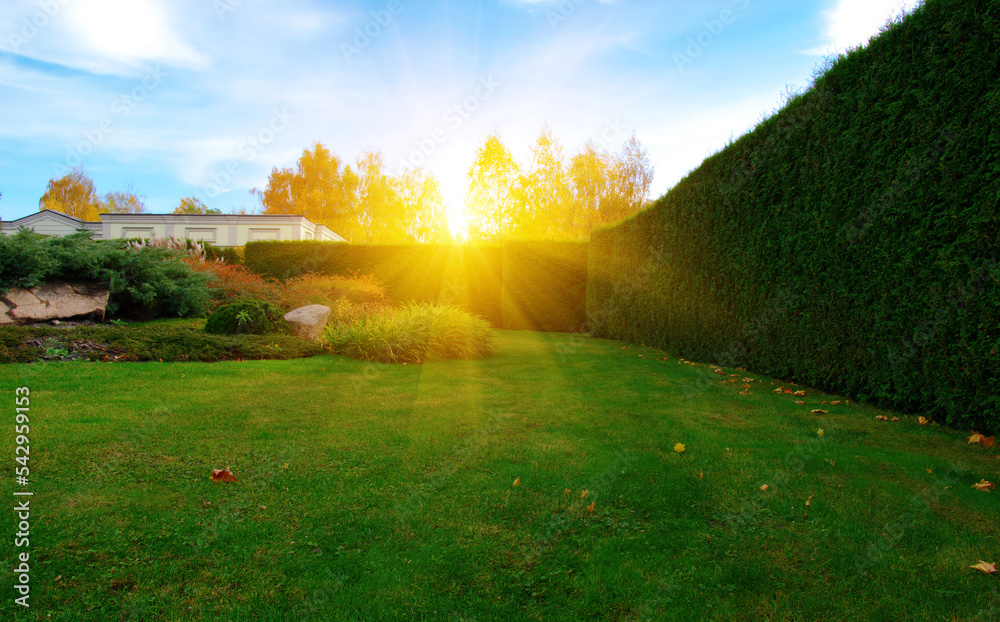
{"x": 467, "y": 276}
{"x": 545, "y": 286}
{"x": 850, "y": 242}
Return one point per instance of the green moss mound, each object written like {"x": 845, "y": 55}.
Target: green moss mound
{"x": 247, "y": 317}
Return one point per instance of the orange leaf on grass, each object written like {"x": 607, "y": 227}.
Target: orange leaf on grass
{"x": 985, "y": 567}
{"x": 764, "y": 487}
{"x": 590, "y": 508}
{"x": 836, "y": 403}
{"x": 800, "y": 393}
{"x": 584, "y": 494}
{"x": 923, "y": 420}
{"x": 984, "y": 485}
{"x": 788, "y": 391}
{"x": 881, "y": 417}
{"x": 975, "y": 438}
{"x": 517, "y": 482}
{"x": 679, "y": 448}
{"x": 223, "y": 475}
{"x": 800, "y": 402}
{"x": 987, "y": 442}
{"x": 821, "y": 412}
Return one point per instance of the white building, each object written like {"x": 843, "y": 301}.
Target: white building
{"x": 218, "y": 229}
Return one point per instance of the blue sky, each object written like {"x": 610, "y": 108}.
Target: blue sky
{"x": 202, "y": 97}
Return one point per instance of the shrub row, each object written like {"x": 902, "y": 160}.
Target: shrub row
{"x": 536, "y": 285}
{"x": 850, "y": 242}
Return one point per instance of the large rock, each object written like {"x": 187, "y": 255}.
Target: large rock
{"x": 307, "y": 322}
{"x": 57, "y": 300}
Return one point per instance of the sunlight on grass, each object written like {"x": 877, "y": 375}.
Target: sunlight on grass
{"x": 370, "y": 491}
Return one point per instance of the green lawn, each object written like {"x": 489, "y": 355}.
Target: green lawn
{"x": 370, "y": 492}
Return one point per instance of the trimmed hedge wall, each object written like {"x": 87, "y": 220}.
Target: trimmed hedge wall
{"x": 466, "y": 276}
{"x": 850, "y": 242}
{"x": 545, "y": 286}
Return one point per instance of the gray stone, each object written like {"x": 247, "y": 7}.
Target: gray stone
{"x": 56, "y": 300}
{"x": 308, "y": 322}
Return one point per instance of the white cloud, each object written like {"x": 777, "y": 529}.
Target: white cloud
{"x": 851, "y": 23}
{"x": 115, "y": 37}
{"x": 130, "y": 32}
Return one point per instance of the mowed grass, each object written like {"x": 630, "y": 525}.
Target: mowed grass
{"x": 374, "y": 492}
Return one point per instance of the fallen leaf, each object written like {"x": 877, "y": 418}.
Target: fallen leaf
{"x": 836, "y": 403}
{"x": 749, "y": 380}
{"x": 895, "y": 419}
{"x": 881, "y": 417}
{"x": 810, "y": 499}
{"x": 590, "y": 508}
{"x": 584, "y": 494}
{"x": 984, "y": 485}
{"x": 800, "y": 403}
{"x": 976, "y": 438}
{"x": 987, "y": 442}
{"x": 820, "y": 432}
{"x": 821, "y": 412}
{"x": 764, "y": 488}
{"x": 779, "y": 390}
{"x": 679, "y": 448}
{"x": 985, "y": 567}
{"x": 800, "y": 393}
{"x": 701, "y": 475}
{"x": 789, "y": 391}
{"x": 720, "y": 372}
{"x": 928, "y": 470}
{"x": 923, "y": 420}
{"x": 566, "y": 492}
{"x": 517, "y": 482}
{"x": 222, "y": 475}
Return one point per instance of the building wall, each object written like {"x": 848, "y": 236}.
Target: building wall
{"x": 220, "y": 230}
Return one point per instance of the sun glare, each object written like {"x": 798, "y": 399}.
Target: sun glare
{"x": 458, "y": 224}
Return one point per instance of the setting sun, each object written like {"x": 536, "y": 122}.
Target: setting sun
{"x": 458, "y": 223}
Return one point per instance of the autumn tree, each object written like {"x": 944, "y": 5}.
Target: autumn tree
{"x": 428, "y": 216}
{"x": 494, "y": 202}
{"x": 395, "y": 210}
{"x": 365, "y": 204}
{"x": 321, "y": 188}
{"x": 193, "y": 205}
{"x": 72, "y": 194}
{"x": 545, "y": 191}
{"x": 126, "y": 201}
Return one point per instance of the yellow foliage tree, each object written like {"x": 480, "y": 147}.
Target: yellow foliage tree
{"x": 72, "y": 194}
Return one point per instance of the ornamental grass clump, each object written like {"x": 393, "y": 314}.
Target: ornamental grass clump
{"x": 411, "y": 334}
